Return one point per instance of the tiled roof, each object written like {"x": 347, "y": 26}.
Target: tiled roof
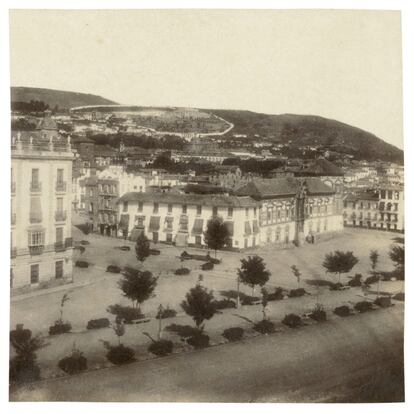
{"x": 284, "y": 186}
{"x": 190, "y": 199}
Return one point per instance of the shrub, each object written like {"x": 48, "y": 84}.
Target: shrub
{"x": 199, "y": 340}
{"x": 224, "y": 304}
{"x": 155, "y": 252}
{"x": 81, "y": 263}
{"x": 182, "y": 271}
{"x": 336, "y": 286}
{"x": 207, "y": 266}
{"x": 125, "y": 248}
{"x": 166, "y": 313}
{"x": 342, "y": 311}
{"x": 120, "y": 354}
{"x": 318, "y": 314}
{"x": 185, "y": 256}
{"x": 126, "y": 313}
{"x": 371, "y": 280}
{"x": 213, "y": 260}
{"x": 60, "y": 327}
{"x": 292, "y": 320}
{"x": 356, "y": 280}
{"x": 249, "y": 300}
{"x": 276, "y": 295}
{"x": 113, "y": 269}
{"x": 98, "y": 323}
{"x": 161, "y": 348}
{"x": 80, "y": 248}
{"x": 21, "y": 371}
{"x": 383, "y": 301}
{"x": 84, "y": 242}
{"x": 233, "y": 334}
{"x": 399, "y": 296}
{"x": 73, "y": 363}
{"x": 264, "y": 327}
{"x": 295, "y": 293}
{"x": 363, "y": 306}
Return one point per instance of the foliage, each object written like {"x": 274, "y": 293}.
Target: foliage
{"x": 113, "y": 269}
{"x": 73, "y": 363}
{"x": 276, "y": 295}
{"x": 373, "y": 257}
{"x": 154, "y": 252}
{"x": 339, "y": 262}
{"x": 296, "y": 273}
{"x": 397, "y": 255}
{"x": 161, "y": 348}
{"x": 264, "y": 327}
{"x": 399, "y": 296}
{"x": 32, "y": 106}
{"x": 363, "y": 306}
{"x": 318, "y": 313}
{"x": 126, "y": 313}
{"x": 224, "y": 304}
{"x": 336, "y": 286}
{"x": 233, "y": 334}
{"x": 199, "y": 304}
{"x": 292, "y": 320}
{"x": 142, "y": 247}
{"x": 343, "y": 310}
{"x": 207, "y": 266}
{"x": 249, "y": 300}
{"x": 119, "y": 354}
{"x": 356, "y": 280}
{"x": 165, "y": 313}
{"x": 85, "y": 243}
{"x": 217, "y": 234}
{"x": 98, "y": 323}
{"x": 23, "y": 367}
{"x": 60, "y": 327}
{"x": 253, "y": 272}
{"x": 81, "y": 263}
{"x": 182, "y": 271}
{"x": 383, "y": 301}
{"x": 371, "y": 279}
{"x": 200, "y": 340}
{"x": 138, "y": 286}
{"x": 296, "y": 293}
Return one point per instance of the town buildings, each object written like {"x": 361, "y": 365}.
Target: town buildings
{"x": 41, "y": 196}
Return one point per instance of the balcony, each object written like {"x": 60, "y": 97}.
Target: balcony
{"x": 13, "y": 187}
{"x": 68, "y": 242}
{"x": 60, "y": 215}
{"x": 35, "y": 187}
{"x": 36, "y": 250}
{"x": 13, "y": 219}
{"x": 13, "y": 252}
{"x": 60, "y": 186}
{"x": 60, "y": 247}
{"x": 35, "y": 218}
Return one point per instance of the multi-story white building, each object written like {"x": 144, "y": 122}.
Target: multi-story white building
{"x": 41, "y": 197}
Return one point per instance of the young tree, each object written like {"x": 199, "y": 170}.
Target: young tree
{"x": 217, "y": 234}
{"x": 296, "y": 273}
{"x": 397, "y": 255}
{"x": 373, "y": 257}
{"x": 265, "y": 301}
{"x": 142, "y": 247}
{"x": 199, "y": 305}
{"x": 253, "y": 272}
{"x": 119, "y": 329}
{"x": 138, "y": 286}
{"x": 339, "y": 262}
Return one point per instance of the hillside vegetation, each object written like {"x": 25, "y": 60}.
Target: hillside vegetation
{"x": 52, "y": 97}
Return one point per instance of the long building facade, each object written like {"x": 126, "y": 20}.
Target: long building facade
{"x": 41, "y": 196}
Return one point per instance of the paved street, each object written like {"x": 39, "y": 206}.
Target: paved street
{"x": 342, "y": 360}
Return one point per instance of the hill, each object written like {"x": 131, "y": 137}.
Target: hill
{"x": 303, "y": 130}
{"x": 52, "y": 97}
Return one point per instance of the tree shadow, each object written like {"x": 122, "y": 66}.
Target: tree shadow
{"x": 84, "y": 228}
{"x": 399, "y": 239}
{"x": 319, "y": 282}
{"x": 183, "y": 331}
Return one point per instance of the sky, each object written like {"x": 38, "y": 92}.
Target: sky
{"x": 344, "y": 65}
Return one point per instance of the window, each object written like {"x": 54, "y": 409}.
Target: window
{"x": 247, "y": 212}
{"x": 91, "y": 192}
{"x": 34, "y": 273}
{"x": 390, "y": 195}
{"x": 59, "y": 269}
{"x": 59, "y": 234}
{"x": 59, "y": 204}
{"x": 215, "y": 211}
{"x": 230, "y": 212}
{"x": 169, "y": 238}
{"x": 199, "y": 209}
{"x": 59, "y": 178}
{"x": 155, "y": 208}
{"x": 140, "y": 206}
{"x": 397, "y": 195}
{"x": 36, "y": 238}
{"x": 35, "y": 175}
{"x": 255, "y": 212}
{"x": 125, "y": 206}
{"x": 184, "y": 209}
{"x": 170, "y": 208}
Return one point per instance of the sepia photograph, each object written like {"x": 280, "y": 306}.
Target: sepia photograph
{"x": 207, "y": 206}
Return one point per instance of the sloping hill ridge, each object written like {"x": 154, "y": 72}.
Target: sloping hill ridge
{"x": 304, "y": 130}
{"x": 53, "y": 97}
